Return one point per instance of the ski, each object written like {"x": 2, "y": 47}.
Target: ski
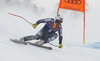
{"x": 18, "y": 42}
{"x": 25, "y": 43}
{"x": 50, "y": 48}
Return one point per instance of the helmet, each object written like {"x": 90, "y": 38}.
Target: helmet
{"x": 59, "y": 17}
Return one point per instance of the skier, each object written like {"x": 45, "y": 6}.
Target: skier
{"x": 48, "y": 32}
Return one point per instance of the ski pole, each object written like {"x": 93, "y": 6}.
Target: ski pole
{"x": 20, "y": 17}
{"x": 50, "y": 44}
{"x": 53, "y": 45}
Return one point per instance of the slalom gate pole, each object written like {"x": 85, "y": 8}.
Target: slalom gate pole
{"x": 58, "y": 11}
{"x": 84, "y": 29}
{"x": 20, "y": 17}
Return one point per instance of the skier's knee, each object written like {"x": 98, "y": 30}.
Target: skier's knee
{"x": 50, "y": 38}
{"x": 37, "y": 37}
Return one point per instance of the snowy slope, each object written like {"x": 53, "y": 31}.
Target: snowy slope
{"x": 33, "y": 10}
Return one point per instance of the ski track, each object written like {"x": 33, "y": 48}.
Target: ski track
{"x": 19, "y": 52}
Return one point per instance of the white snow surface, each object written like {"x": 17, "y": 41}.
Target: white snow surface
{"x": 33, "y": 10}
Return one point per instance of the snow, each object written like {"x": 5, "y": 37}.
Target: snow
{"x": 33, "y": 10}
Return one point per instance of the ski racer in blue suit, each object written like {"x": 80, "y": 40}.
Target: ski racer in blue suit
{"x": 48, "y": 32}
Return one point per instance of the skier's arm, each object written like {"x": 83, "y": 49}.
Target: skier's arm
{"x": 43, "y": 21}
{"x": 60, "y": 37}
{"x": 40, "y": 21}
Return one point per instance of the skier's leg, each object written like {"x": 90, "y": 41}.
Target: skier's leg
{"x": 28, "y": 38}
{"x": 38, "y": 36}
{"x": 32, "y": 37}
{"x": 51, "y": 37}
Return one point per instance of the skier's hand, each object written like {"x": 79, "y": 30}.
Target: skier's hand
{"x": 60, "y": 45}
{"x": 34, "y": 25}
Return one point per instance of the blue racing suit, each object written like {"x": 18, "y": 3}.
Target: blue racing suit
{"x": 48, "y": 32}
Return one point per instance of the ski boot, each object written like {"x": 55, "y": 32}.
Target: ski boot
{"x": 20, "y": 41}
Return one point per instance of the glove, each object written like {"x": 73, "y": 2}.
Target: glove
{"x": 60, "y": 45}
{"x": 34, "y": 25}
